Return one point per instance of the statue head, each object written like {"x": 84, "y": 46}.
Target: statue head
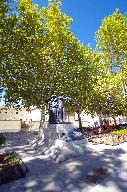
{"x": 54, "y": 96}
{"x": 62, "y": 93}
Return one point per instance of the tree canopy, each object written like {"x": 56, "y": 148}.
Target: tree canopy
{"x": 112, "y": 46}
{"x": 41, "y": 56}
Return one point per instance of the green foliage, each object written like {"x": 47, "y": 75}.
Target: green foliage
{"x": 120, "y": 132}
{"x": 111, "y": 39}
{"x": 112, "y": 47}
{"x": 41, "y": 56}
{"x": 14, "y": 159}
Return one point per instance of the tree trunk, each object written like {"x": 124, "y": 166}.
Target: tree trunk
{"x": 79, "y": 119}
{"x": 114, "y": 121}
{"x": 100, "y": 120}
{"x": 42, "y": 118}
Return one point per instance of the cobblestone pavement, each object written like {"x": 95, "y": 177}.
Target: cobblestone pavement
{"x": 47, "y": 176}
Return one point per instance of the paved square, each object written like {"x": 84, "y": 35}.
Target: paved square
{"x": 47, "y": 176}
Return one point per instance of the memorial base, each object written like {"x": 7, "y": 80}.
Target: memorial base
{"x": 60, "y": 141}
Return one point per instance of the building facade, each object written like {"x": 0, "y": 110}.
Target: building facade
{"x": 14, "y": 114}
{"x": 35, "y": 114}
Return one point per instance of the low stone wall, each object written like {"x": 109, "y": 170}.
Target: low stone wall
{"x": 109, "y": 139}
{"x": 15, "y": 126}
{"x": 10, "y": 126}
{"x": 34, "y": 126}
{"x": 84, "y": 123}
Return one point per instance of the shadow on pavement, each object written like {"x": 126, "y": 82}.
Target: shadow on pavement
{"x": 47, "y": 176}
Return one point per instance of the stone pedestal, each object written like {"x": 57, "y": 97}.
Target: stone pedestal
{"x": 60, "y": 141}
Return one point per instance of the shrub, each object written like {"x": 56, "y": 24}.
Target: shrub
{"x": 2, "y": 139}
{"x": 120, "y": 132}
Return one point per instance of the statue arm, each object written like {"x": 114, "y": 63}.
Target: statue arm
{"x": 66, "y": 98}
{"x": 49, "y": 105}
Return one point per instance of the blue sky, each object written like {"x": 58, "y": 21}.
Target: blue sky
{"x": 87, "y": 15}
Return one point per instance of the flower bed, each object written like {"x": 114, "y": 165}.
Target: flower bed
{"x": 112, "y": 138}
{"x": 11, "y": 168}
{"x": 120, "y": 132}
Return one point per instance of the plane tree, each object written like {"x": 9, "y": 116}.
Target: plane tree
{"x": 41, "y": 56}
{"x": 34, "y": 52}
{"x": 111, "y": 41}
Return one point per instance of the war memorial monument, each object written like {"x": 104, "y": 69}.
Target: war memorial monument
{"x": 58, "y": 139}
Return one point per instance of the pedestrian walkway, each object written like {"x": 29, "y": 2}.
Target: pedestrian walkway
{"x": 47, "y": 176}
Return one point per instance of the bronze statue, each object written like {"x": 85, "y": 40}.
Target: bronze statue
{"x": 56, "y": 108}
